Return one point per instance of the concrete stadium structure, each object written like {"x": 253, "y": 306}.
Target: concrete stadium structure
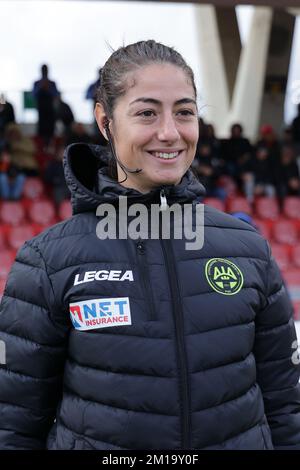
{"x": 245, "y": 84}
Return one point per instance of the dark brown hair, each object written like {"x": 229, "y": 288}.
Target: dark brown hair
{"x": 129, "y": 58}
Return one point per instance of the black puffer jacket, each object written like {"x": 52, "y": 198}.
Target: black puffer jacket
{"x": 205, "y": 363}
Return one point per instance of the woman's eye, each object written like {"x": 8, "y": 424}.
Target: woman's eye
{"x": 186, "y": 112}
{"x": 147, "y": 113}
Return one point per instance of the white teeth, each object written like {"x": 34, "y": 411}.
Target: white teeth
{"x": 165, "y": 156}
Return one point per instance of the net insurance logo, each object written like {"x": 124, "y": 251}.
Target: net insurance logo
{"x": 224, "y": 276}
{"x": 100, "y": 313}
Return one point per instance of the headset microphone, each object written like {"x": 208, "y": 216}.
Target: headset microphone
{"x": 124, "y": 168}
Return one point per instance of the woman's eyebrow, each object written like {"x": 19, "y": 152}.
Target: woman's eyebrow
{"x": 157, "y": 102}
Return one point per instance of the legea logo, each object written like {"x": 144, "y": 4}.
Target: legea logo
{"x": 103, "y": 275}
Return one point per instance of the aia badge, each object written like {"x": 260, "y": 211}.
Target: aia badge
{"x": 100, "y": 313}
{"x": 224, "y": 276}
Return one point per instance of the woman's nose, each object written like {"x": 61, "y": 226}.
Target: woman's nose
{"x": 167, "y": 129}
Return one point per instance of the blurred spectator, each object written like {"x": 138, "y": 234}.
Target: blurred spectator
{"x": 208, "y": 171}
{"x": 268, "y": 139}
{"x": 90, "y": 94}
{"x": 46, "y": 153}
{"x": 64, "y": 114}
{"x": 236, "y": 152}
{"x": 11, "y": 179}
{"x": 78, "y": 134}
{"x": 45, "y": 92}
{"x": 296, "y": 126}
{"x": 288, "y": 177}
{"x": 210, "y": 139}
{"x": 7, "y": 114}
{"x": 287, "y": 137}
{"x": 22, "y": 150}
{"x": 263, "y": 173}
{"x": 92, "y": 89}
{"x": 54, "y": 176}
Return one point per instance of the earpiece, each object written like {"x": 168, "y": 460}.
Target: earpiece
{"x": 110, "y": 140}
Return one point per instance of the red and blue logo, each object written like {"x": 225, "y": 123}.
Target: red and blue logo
{"x": 100, "y": 313}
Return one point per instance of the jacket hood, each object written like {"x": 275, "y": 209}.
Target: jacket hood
{"x": 86, "y": 171}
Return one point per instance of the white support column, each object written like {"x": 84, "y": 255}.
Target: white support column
{"x": 248, "y": 91}
{"x": 215, "y": 88}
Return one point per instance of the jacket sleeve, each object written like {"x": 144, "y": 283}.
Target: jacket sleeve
{"x": 33, "y": 344}
{"x": 278, "y": 362}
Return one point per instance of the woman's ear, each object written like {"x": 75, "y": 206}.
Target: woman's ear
{"x": 101, "y": 119}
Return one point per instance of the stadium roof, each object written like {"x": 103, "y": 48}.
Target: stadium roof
{"x": 228, "y": 3}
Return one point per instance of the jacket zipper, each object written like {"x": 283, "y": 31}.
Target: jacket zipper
{"x": 179, "y": 328}
{"x": 146, "y": 278}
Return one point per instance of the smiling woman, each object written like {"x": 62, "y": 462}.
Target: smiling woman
{"x": 129, "y": 342}
{"x": 147, "y": 109}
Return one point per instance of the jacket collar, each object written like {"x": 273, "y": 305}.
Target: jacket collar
{"x": 86, "y": 173}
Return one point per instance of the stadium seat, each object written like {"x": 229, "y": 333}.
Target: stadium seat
{"x": 264, "y": 227}
{"x": 6, "y": 261}
{"x": 65, "y": 209}
{"x": 291, "y": 207}
{"x": 285, "y": 231}
{"x": 33, "y": 188}
{"x": 42, "y": 213}
{"x": 281, "y": 253}
{"x": 296, "y": 305}
{"x": 12, "y": 212}
{"x": 238, "y": 204}
{"x": 292, "y": 277}
{"x": 18, "y": 235}
{"x": 292, "y": 281}
{"x": 296, "y": 256}
{"x": 2, "y": 239}
{"x": 267, "y": 208}
{"x": 215, "y": 202}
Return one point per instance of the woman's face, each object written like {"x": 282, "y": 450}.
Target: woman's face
{"x": 155, "y": 126}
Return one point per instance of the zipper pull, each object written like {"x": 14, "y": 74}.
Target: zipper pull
{"x": 163, "y": 200}
{"x": 140, "y": 246}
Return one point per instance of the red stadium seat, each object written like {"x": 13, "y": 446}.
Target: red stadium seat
{"x": 65, "y": 210}
{"x": 18, "y": 235}
{"x": 296, "y": 305}
{"x": 6, "y": 260}
{"x": 33, "y": 188}
{"x": 284, "y": 231}
{"x": 291, "y": 207}
{"x": 292, "y": 280}
{"x": 267, "y": 208}
{"x": 2, "y": 238}
{"x": 264, "y": 227}
{"x": 215, "y": 202}
{"x": 12, "y": 212}
{"x": 42, "y": 213}
{"x": 292, "y": 277}
{"x": 296, "y": 255}
{"x": 281, "y": 253}
{"x": 238, "y": 204}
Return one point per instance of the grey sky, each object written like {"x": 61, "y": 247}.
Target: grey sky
{"x": 73, "y": 37}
